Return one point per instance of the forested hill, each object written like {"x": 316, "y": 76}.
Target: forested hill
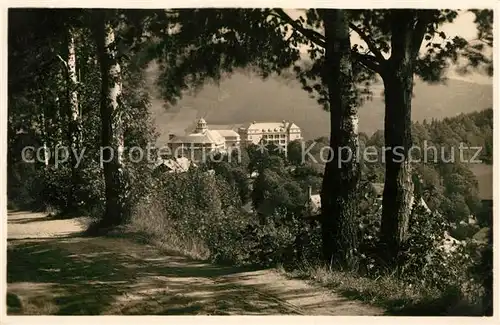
{"x": 472, "y": 130}
{"x": 450, "y": 183}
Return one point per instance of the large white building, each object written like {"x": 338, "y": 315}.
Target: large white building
{"x": 203, "y": 140}
{"x": 278, "y": 133}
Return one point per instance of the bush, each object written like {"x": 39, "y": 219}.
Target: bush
{"x": 482, "y": 272}
{"x": 18, "y": 175}
{"x": 423, "y": 261}
{"x": 207, "y": 207}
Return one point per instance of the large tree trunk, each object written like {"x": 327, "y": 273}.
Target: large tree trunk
{"x": 408, "y": 29}
{"x": 111, "y": 128}
{"x": 73, "y": 115}
{"x": 339, "y": 206}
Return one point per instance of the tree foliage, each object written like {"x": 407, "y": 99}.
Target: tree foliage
{"x": 39, "y": 103}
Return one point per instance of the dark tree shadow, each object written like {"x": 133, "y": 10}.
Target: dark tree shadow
{"x": 82, "y": 279}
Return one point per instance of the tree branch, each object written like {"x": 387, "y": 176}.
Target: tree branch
{"x": 423, "y": 19}
{"x": 371, "y": 45}
{"x": 368, "y": 61}
{"x": 62, "y": 60}
{"x": 312, "y": 35}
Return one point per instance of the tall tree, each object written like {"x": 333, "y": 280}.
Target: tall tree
{"x": 112, "y": 141}
{"x": 393, "y": 40}
{"x": 407, "y": 32}
{"x": 74, "y": 127}
{"x": 339, "y": 206}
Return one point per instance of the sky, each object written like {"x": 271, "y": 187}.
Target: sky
{"x": 462, "y": 26}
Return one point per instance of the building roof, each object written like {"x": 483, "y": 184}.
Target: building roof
{"x": 181, "y": 164}
{"x": 227, "y": 133}
{"x": 449, "y": 243}
{"x": 248, "y": 207}
{"x": 209, "y": 136}
{"x": 271, "y": 126}
{"x": 203, "y": 135}
{"x": 315, "y": 203}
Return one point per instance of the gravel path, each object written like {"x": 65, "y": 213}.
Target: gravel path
{"x": 52, "y": 269}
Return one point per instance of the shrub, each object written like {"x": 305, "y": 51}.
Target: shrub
{"x": 482, "y": 272}
{"x": 427, "y": 262}
{"x": 423, "y": 261}
{"x": 207, "y": 207}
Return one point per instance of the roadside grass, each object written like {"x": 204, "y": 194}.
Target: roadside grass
{"x": 388, "y": 292}
{"x": 150, "y": 225}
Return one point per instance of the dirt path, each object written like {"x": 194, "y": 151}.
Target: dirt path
{"x": 52, "y": 269}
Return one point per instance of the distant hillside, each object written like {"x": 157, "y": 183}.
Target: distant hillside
{"x": 242, "y": 99}
{"x": 449, "y": 185}
{"x": 484, "y": 176}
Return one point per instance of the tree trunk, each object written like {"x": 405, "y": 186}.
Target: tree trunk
{"x": 339, "y": 206}
{"x": 58, "y": 122}
{"x": 408, "y": 29}
{"x": 74, "y": 116}
{"x": 43, "y": 132}
{"x": 44, "y": 138}
{"x": 111, "y": 128}
{"x": 398, "y": 188}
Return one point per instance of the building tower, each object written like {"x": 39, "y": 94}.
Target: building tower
{"x": 201, "y": 126}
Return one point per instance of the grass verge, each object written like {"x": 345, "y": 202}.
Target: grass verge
{"x": 388, "y": 292}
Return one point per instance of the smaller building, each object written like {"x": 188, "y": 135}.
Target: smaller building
{"x": 231, "y": 138}
{"x": 378, "y": 189}
{"x": 450, "y": 244}
{"x": 174, "y": 165}
{"x": 313, "y": 203}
